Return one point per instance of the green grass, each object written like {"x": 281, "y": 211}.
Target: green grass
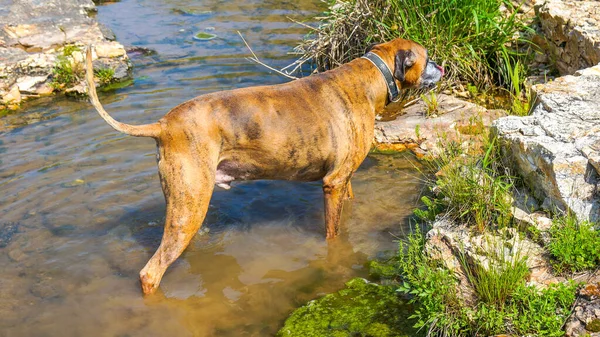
{"x": 469, "y": 37}
{"x": 473, "y": 189}
{"x": 65, "y": 73}
{"x": 574, "y": 245}
{"x": 431, "y": 104}
{"x": 515, "y": 73}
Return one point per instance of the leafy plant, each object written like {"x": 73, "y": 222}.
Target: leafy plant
{"x": 536, "y": 312}
{"x": 105, "y": 75}
{"x": 431, "y": 104}
{"x": 433, "y": 207}
{"x": 66, "y": 73}
{"x": 574, "y": 245}
{"x": 432, "y": 287}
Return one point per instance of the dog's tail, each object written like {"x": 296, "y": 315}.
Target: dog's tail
{"x": 146, "y": 130}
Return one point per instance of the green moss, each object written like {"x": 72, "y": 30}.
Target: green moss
{"x": 361, "y": 309}
{"x": 593, "y": 326}
{"x": 383, "y": 270}
{"x": 204, "y": 36}
{"x": 116, "y": 85}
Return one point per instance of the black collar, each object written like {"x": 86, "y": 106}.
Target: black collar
{"x": 393, "y": 91}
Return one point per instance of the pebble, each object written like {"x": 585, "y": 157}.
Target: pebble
{"x": 17, "y": 255}
{"x": 74, "y": 183}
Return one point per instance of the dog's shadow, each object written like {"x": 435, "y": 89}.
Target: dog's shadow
{"x": 243, "y": 208}
{"x": 246, "y": 206}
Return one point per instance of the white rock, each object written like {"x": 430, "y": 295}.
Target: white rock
{"x": 572, "y": 29}
{"x": 13, "y": 96}
{"x": 557, "y": 149}
{"x": 109, "y": 49}
{"x": 29, "y": 84}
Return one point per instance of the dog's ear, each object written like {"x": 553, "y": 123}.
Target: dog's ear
{"x": 370, "y": 47}
{"x": 404, "y": 59}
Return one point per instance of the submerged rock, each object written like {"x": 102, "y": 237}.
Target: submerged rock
{"x": 360, "y": 309}
{"x": 7, "y": 230}
{"x": 557, "y": 149}
{"x": 36, "y": 35}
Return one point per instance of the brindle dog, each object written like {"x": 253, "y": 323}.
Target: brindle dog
{"x": 318, "y": 127}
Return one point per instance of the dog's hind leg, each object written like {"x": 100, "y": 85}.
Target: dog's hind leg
{"x": 349, "y": 192}
{"x": 187, "y": 178}
{"x": 335, "y": 189}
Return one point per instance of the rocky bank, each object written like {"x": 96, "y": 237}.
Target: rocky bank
{"x": 33, "y": 37}
{"x": 556, "y": 150}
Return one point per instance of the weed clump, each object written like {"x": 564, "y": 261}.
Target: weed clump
{"x": 105, "y": 75}
{"x": 472, "y": 189}
{"x": 66, "y": 73}
{"x": 469, "y": 36}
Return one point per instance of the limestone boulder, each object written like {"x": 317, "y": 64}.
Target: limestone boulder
{"x": 572, "y": 31}
{"x": 556, "y": 149}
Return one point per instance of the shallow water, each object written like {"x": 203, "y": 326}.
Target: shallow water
{"x": 81, "y": 206}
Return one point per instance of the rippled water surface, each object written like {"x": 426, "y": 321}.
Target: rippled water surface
{"x": 81, "y": 206}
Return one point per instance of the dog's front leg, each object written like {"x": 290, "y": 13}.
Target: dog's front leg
{"x": 188, "y": 182}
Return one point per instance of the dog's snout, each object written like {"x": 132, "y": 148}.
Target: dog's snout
{"x": 431, "y": 74}
{"x": 436, "y": 66}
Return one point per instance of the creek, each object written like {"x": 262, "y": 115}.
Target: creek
{"x": 81, "y": 206}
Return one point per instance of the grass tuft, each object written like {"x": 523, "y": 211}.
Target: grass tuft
{"x": 432, "y": 104}
{"x": 504, "y": 272}
{"x": 472, "y": 189}
{"x": 105, "y": 75}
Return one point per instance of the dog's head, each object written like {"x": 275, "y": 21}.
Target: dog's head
{"x": 409, "y": 63}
